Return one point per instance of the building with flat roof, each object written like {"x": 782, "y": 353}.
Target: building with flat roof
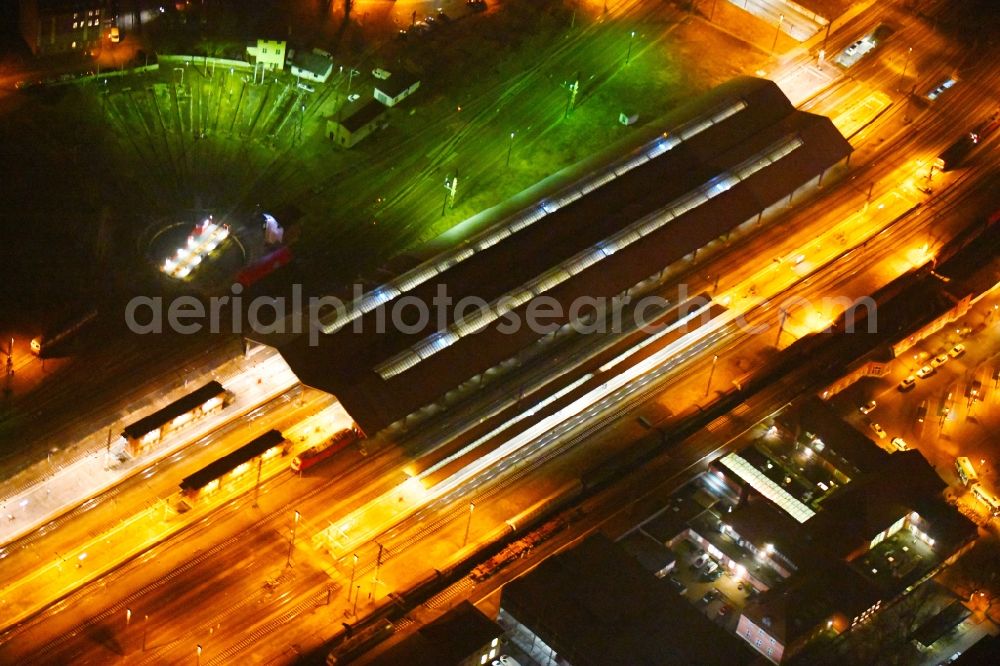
{"x": 594, "y": 605}
{"x": 725, "y": 159}
{"x": 397, "y": 87}
{"x": 879, "y": 536}
{"x": 362, "y": 122}
{"x": 461, "y": 637}
{"x": 63, "y": 26}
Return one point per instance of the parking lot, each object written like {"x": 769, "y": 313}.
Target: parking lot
{"x": 942, "y": 397}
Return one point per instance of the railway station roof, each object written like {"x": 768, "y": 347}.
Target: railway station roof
{"x": 228, "y": 463}
{"x": 173, "y": 410}
{"x": 725, "y": 157}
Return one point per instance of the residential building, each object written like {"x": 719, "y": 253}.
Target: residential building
{"x": 63, "y": 26}
{"x": 355, "y": 127}
{"x": 268, "y": 53}
{"x": 312, "y": 67}
{"x": 396, "y": 88}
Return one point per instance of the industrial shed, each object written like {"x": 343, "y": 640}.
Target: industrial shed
{"x": 729, "y": 156}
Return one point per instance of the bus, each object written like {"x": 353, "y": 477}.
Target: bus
{"x": 966, "y": 472}
{"x": 987, "y": 498}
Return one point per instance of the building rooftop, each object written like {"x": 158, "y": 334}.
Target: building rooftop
{"x": 312, "y": 62}
{"x": 450, "y": 639}
{"x": 229, "y": 462}
{"x": 706, "y": 177}
{"x": 596, "y": 606}
{"x": 173, "y": 410}
{"x": 396, "y": 83}
{"x": 361, "y": 116}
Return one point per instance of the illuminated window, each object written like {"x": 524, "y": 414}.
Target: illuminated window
{"x": 493, "y": 653}
{"x": 74, "y": 26}
{"x": 483, "y": 660}
{"x": 494, "y": 643}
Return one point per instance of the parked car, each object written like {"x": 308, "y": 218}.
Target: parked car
{"x": 476, "y": 5}
{"x": 878, "y": 430}
{"x": 868, "y": 407}
{"x": 939, "y": 360}
{"x": 908, "y": 383}
{"x": 956, "y": 351}
{"x": 926, "y": 371}
{"x": 922, "y": 412}
{"x": 711, "y": 576}
{"x": 353, "y": 97}
{"x": 678, "y": 585}
{"x": 899, "y": 443}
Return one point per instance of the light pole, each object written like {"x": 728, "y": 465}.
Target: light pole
{"x": 378, "y": 565}
{"x": 708, "y": 388}
{"x": 781, "y": 326}
{"x": 468, "y": 525}
{"x": 906, "y": 63}
{"x": 128, "y": 617}
{"x": 291, "y": 541}
{"x": 777, "y": 31}
{"x": 357, "y": 593}
{"x": 199, "y": 654}
{"x": 628, "y": 54}
{"x": 354, "y": 569}
{"x": 510, "y": 147}
{"x": 145, "y": 626}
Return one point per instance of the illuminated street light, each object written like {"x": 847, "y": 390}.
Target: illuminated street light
{"x": 128, "y": 617}
{"x": 708, "y": 388}
{"x": 145, "y": 626}
{"x": 510, "y": 147}
{"x": 906, "y": 63}
{"x": 468, "y": 525}
{"x": 628, "y": 55}
{"x": 199, "y": 654}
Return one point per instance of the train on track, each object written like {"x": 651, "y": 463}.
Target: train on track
{"x": 61, "y": 336}
{"x": 146, "y": 433}
{"x": 214, "y": 475}
{"x": 339, "y": 441}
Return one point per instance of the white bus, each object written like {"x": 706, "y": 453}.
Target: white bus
{"x": 966, "y": 472}
{"x": 987, "y": 498}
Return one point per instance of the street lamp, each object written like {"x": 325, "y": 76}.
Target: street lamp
{"x": 510, "y": 147}
{"x": 354, "y": 569}
{"x": 777, "y": 31}
{"x": 628, "y": 55}
{"x": 291, "y": 541}
{"x": 199, "y": 654}
{"x": 468, "y": 525}
{"x": 708, "y": 388}
{"x": 906, "y": 63}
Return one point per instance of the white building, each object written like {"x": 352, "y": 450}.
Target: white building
{"x": 396, "y": 88}
{"x": 267, "y": 52}
{"x": 312, "y": 66}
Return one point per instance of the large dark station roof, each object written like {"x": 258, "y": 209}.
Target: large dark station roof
{"x": 732, "y": 153}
